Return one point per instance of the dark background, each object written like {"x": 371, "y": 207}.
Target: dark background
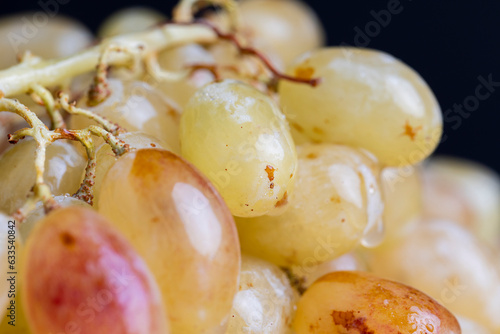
{"x": 450, "y": 43}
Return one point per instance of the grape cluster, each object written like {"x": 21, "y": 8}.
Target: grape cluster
{"x": 234, "y": 175}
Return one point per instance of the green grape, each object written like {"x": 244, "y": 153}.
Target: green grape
{"x": 106, "y": 158}
{"x": 265, "y": 301}
{"x": 129, "y": 20}
{"x": 470, "y": 327}
{"x": 184, "y": 231}
{"x": 58, "y": 36}
{"x": 357, "y": 302}
{"x": 63, "y": 171}
{"x": 464, "y": 192}
{"x": 365, "y": 99}
{"x": 136, "y": 106}
{"x": 335, "y": 205}
{"x": 38, "y": 214}
{"x": 402, "y": 190}
{"x": 445, "y": 261}
{"x": 177, "y": 60}
{"x": 284, "y": 28}
{"x": 81, "y": 275}
{"x": 240, "y": 140}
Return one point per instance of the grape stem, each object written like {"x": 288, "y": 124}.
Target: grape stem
{"x": 184, "y": 11}
{"x": 18, "y": 79}
{"x": 50, "y": 105}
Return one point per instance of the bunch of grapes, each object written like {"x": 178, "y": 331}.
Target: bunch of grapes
{"x": 225, "y": 172}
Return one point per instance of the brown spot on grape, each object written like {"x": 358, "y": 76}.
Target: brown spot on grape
{"x": 335, "y": 199}
{"x": 304, "y": 72}
{"x": 67, "y": 239}
{"x": 348, "y": 320}
{"x": 318, "y": 130}
{"x": 270, "y": 172}
{"x": 297, "y": 127}
{"x": 410, "y": 131}
{"x": 152, "y": 145}
{"x": 271, "y": 185}
{"x": 291, "y": 175}
{"x": 311, "y": 156}
{"x": 282, "y": 201}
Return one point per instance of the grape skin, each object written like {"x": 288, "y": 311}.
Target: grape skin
{"x": 265, "y": 301}
{"x": 335, "y": 200}
{"x": 80, "y": 273}
{"x": 365, "y": 99}
{"x": 239, "y": 139}
{"x": 63, "y": 170}
{"x": 181, "y": 227}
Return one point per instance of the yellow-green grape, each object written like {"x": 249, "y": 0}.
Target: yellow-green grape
{"x": 7, "y": 248}
{"x": 105, "y": 158}
{"x": 136, "y": 106}
{"x": 445, "y": 261}
{"x": 81, "y": 275}
{"x": 20, "y": 325}
{"x": 356, "y": 302}
{"x": 177, "y": 60}
{"x": 239, "y": 139}
{"x": 63, "y": 171}
{"x": 336, "y": 204}
{"x": 307, "y": 275}
{"x": 285, "y": 27}
{"x": 43, "y": 34}
{"x": 402, "y": 190}
{"x": 471, "y": 327}
{"x": 464, "y": 192}
{"x": 265, "y": 302}
{"x": 33, "y": 217}
{"x": 367, "y": 99}
{"x": 129, "y": 20}
{"x": 182, "y": 228}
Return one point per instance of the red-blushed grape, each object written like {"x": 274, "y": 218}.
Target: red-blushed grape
{"x": 45, "y": 36}
{"x": 106, "y": 158}
{"x": 464, "y": 192}
{"x": 136, "y": 106}
{"x": 265, "y": 302}
{"x": 365, "y": 99}
{"x": 33, "y": 217}
{"x": 184, "y": 231}
{"x": 239, "y": 139}
{"x": 63, "y": 171}
{"x": 335, "y": 205}
{"x": 445, "y": 261}
{"x": 129, "y": 20}
{"x": 82, "y": 275}
{"x": 357, "y": 302}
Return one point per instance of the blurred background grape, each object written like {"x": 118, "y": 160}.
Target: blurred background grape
{"x": 451, "y": 44}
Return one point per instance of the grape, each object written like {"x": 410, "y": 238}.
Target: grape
{"x": 81, "y": 275}
{"x": 307, "y": 275}
{"x": 181, "y": 227}
{"x": 129, "y": 20}
{"x": 335, "y": 203}
{"x": 402, "y": 190}
{"x": 4, "y": 263}
{"x": 44, "y": 36}
{"x": 21, "y": 323}
{"x": 464, "y": 192}
{"x": 445, "y": 261}
{"x": 265, "y": 301}
{"x": 106, "y": 158}
{"x": 63, "y": 171}
{"x": 38, "y": 213}
{"x": 366, "y": 99}
{"x": 470, "y": 327}
{"x": 179, "y": 59}
{"x": 345, "y": 302}
{"x": 136, "y": 106}
{"x": 240, "y": 140}
{"x": 285, "y": 27}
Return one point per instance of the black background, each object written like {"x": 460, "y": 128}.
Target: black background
{"x": 450, "y": 43}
